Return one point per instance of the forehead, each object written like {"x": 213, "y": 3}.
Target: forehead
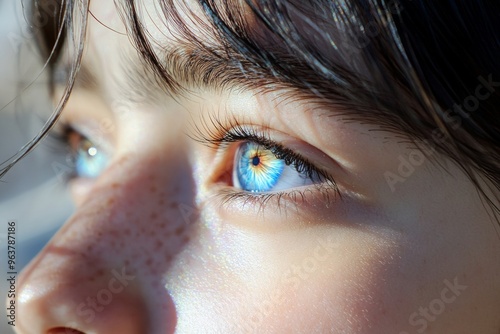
{"x": 165, "y": 23}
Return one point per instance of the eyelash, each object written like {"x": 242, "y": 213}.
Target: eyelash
{"x": 220, "y": 134}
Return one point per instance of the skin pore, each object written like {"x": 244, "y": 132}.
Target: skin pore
{"x": 193, "y": 254}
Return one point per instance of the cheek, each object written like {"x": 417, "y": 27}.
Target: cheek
{"x": 316, "y": 278}
{"x": 345, "y": 289}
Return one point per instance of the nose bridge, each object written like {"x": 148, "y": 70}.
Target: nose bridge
{"x": 140, "y": 211}
{"x": 104, "y": 267}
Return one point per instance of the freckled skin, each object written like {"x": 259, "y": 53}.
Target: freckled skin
{"x": 101, "y": 241}
{"x": 152, "y": 229}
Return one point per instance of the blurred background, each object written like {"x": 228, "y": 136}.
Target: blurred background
{"x": 33, "y": 193}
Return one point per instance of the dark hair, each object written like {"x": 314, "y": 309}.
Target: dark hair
{"x": 410, "y": 67}
{"x": 52, "y": 25}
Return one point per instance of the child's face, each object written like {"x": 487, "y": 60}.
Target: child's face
{"x": 165, "y": 238}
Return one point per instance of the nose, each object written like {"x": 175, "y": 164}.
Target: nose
{"x": 103, "y": 271}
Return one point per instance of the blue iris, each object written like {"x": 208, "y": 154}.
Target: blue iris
{"x": 89, "y": 160}
{"x": 257, "y": 168}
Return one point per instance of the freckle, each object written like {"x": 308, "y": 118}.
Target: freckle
{"x": 126, "y": 263}
{"x": 174, "y": 205}
{"x": 127, "y": 231}
{"x": 161, "y": 202}
{"x": 100, "y": 272}
{"x": 111, "y": 201}
{"x": 115, "y": 185}
{"x": 169, "y": 258}
{"x": 179, "y": 230}
{"x": 158, "y": 244}
{"x": 154, "y": 215}
{"x": 149, "y": 262}
{"x": 185, "y": 239}
{"x": 162, "y": 225}
{"x": 89, "y": 248}
{"x": 153, "y": 189}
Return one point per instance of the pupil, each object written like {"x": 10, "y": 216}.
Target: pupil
{"x": 255, "y": 161}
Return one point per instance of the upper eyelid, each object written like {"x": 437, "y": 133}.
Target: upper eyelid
{"x": 216, "y": 130}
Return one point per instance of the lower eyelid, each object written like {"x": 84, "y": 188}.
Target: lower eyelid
{"x": 299, "y": 195}
{"x": 266, "y": 211}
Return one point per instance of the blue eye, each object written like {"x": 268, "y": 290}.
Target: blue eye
{"x": 89, "y": 159}
{"x": 257, "y": 169}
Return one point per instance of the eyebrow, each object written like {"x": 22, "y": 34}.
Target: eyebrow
{"x": 188, "y": 60}
{"x": 225, "y": 69}
{"x": 139, "y": 84}
{"x": 192, "y": 68}
{"x": 186, "y": 66}
{"x": 86, "y": 78}
{"x": 258, "y": 64}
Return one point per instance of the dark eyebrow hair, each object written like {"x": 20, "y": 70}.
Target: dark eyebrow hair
{"x": 215, "y": 69}
{"x": 140, "y": 84}
{"x": 256, "y": 56}
{"x": 86, "y": 78}
{"x": 210, "y": 68}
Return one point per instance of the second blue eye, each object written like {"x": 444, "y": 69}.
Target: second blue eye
{"x": 90, "y": 161}
{"x": 256, "y": 168}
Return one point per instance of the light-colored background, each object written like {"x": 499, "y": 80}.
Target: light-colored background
{"x": 32, "y": 194}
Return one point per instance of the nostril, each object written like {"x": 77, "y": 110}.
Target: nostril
{"x": 64, "y": 330}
